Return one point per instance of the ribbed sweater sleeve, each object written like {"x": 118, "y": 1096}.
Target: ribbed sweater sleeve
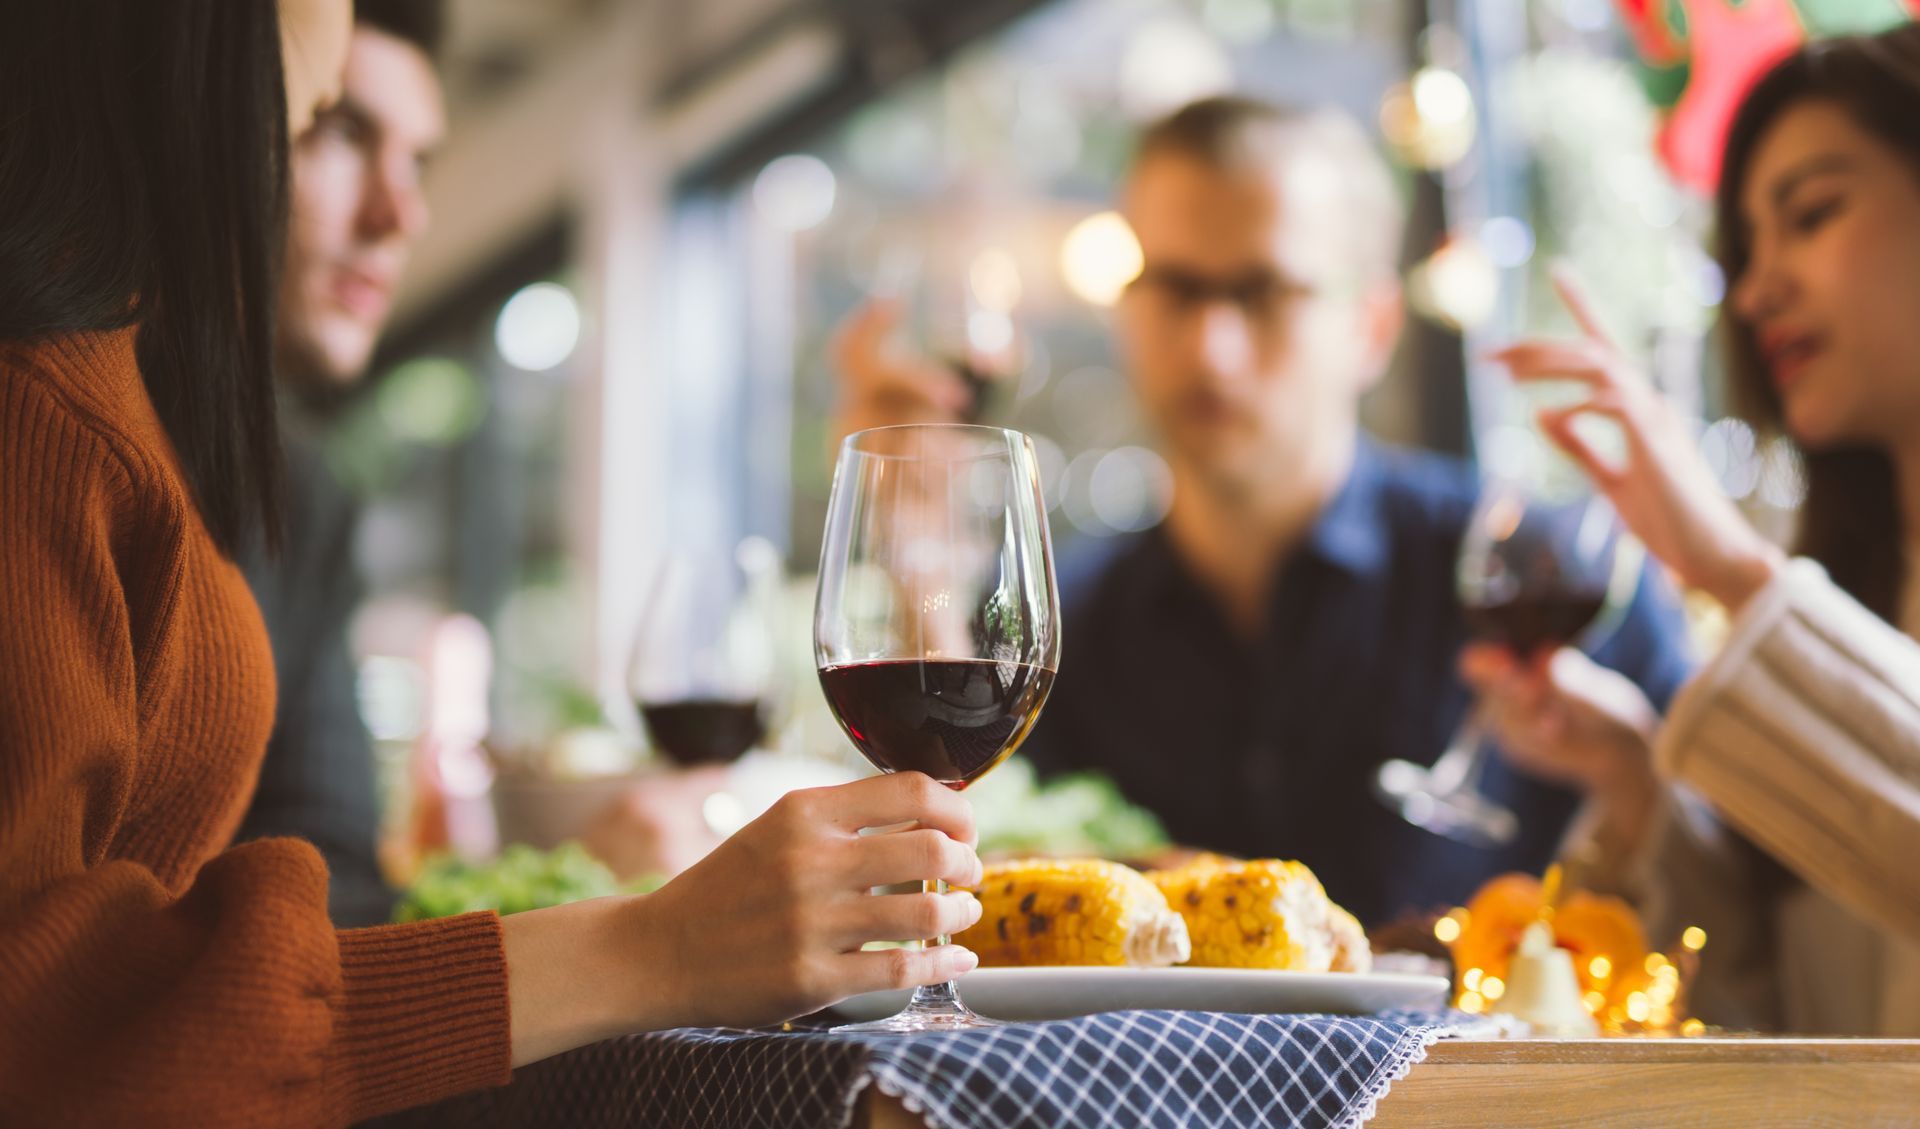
{"x": 144, "y": 978}
{"x": 1804, "y": 733}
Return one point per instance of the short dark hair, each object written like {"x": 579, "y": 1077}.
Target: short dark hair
{"x": 143, "y": 158}
{"x": 419, "y": 22}
{"x": 1850, "y": 520}
{"x": 1234, "y": 132}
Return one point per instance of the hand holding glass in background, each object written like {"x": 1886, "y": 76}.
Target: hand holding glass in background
{"x": 1536, "y": 572}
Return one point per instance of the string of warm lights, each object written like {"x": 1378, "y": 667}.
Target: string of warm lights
{"x": 1645, "y": 998}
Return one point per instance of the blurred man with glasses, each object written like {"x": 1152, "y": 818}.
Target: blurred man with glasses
{"x": 1244, "y": 668}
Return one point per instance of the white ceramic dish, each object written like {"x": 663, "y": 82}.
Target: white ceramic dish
{"x": 1061, "y": 993}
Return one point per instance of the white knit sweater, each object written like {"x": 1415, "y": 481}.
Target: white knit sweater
{"x": 1804, "y": 735}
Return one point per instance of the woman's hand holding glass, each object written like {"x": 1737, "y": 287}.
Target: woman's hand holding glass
{"x": 1569, "y": 720}
{"x": 769, "y": 926}
{"x": 1662, "y": 487}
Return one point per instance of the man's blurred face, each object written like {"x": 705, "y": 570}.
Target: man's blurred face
{"x": 357, "y": 209}
{"x": 1253, "y": 329}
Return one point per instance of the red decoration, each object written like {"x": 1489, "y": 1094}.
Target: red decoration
{"x": 1727, "y": 48}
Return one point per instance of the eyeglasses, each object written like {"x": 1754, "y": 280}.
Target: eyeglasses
{"x": 1263, "y": 297}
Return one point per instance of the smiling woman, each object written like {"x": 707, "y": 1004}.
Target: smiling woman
{"x": 1804, "y": 731}
{"x": 1820, "y": 213}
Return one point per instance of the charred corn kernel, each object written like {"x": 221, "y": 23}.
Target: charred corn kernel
{"x": 1261, "y": 914}
{"x": 1080, "y": 911}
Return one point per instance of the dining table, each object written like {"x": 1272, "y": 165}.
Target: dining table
{"x": 1191, "y": 1069}
{"x": 1519, "y": 1083}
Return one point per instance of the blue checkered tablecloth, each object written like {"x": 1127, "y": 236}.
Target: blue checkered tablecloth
{"x": 1139, "y": 1068}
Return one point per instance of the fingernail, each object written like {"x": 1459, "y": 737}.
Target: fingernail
{"x": 966, "y": 960}
{"x": 977, "y": 908}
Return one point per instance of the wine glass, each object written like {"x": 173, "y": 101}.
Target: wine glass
{"x": 937, "y": 626}
{"x": 1536, "y": 572}
{"x": 705, "y": 658}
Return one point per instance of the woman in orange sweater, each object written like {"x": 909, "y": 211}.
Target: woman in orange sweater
{"x": 148, "y": 973}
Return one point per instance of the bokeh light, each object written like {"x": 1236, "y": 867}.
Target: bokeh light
{"x": 1429, "y": 119}
{"x": 989, "y": 332}
{"x": 432, "y": 400}
{"x": 1508, "y": 241}
{"x": 1099, "y": 257}
{"x": 1130, "y": 489}
{"x": 1457, "y": 285}
{"x": 391, "y": 694}
{"x": 538, "y": 327}
{"x": 994, "y": 279}
{"x": 795, "y": 192}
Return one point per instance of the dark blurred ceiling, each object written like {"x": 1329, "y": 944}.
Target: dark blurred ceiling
{"x": 493, "y": 45}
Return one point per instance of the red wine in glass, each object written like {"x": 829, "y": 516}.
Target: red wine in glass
{"x": 1533, "y": 623}
{"x": 702, "y": 731}
{"x": 953, "y": 719}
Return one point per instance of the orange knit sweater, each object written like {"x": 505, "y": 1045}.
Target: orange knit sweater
{"x": 149, "y": 974}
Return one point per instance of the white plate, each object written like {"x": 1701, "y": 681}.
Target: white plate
{"x": 1061, "y": 993}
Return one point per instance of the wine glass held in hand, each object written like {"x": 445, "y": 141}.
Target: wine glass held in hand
{"x": 936, "y": 631}
{"x": 1535, "y": 574}
{"x": 705, "y": 659}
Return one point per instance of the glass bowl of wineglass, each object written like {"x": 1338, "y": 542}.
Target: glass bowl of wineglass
{"x": 1536, "y": 572}
{"x": 705, "y": 663}
{"x": 937, "y": 624}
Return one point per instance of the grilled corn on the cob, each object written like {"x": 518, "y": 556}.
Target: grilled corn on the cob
{"x": 1083, "y": 912}
{"x": 1351, "y": 951}
{"x": 1261, "y": 914}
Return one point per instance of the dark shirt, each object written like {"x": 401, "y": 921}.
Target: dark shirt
{"x": 1270, "y": 749}
{"x": 317, "y": 782}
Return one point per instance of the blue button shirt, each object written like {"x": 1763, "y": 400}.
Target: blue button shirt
{"x": 1270, "y": 749}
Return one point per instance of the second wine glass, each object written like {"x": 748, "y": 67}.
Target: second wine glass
{"x": 936, "y": 630}
{"x": 705, "y": 660}
{"x": 1535, "y": 573}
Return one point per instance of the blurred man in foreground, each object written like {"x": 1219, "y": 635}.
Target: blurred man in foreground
{"x": 357, "y": 210}
{"x": 1244, "y": 668}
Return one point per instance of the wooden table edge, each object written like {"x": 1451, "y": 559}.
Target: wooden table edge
{"x": 1551, "y": 1082}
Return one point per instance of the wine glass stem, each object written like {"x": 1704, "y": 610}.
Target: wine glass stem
{"x": 944, "y": 996}
{"x": 1460, "y": 766}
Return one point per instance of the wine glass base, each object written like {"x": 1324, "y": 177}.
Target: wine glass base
{"x": 908, "y": 1024}
{"x": 1460, "y": 814}
{"x": 922, "y": 1016}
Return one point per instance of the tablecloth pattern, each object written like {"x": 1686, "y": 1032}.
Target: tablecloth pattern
{"x": 1194, "y": 1070}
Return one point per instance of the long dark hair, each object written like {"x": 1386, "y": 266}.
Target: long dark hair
{"x": 1850, "y": 521}
{"x": 143, "y": 158}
